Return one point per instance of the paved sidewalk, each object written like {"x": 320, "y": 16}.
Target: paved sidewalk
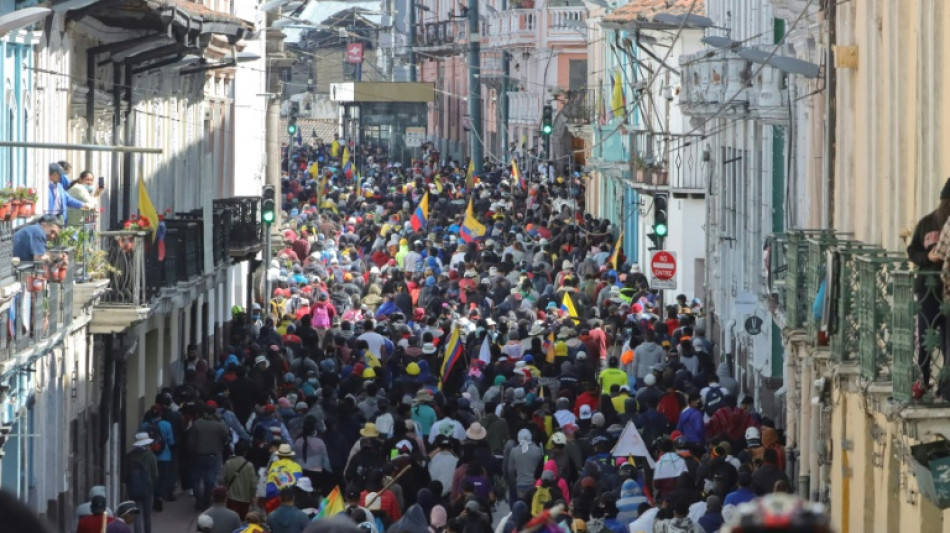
{"x": 177, "y": 517}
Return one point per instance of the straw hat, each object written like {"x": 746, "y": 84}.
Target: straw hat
{"x": 285, "y": 450}
{"x": 476, "y": 432}
{"x": 369, "y": 430}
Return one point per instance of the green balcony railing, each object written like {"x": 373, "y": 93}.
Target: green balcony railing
{"x": 875, "y": 309}
{"x": 904, "y": 335}
{"x": 915, "y": 290}
{"x": 778, "y": 269}
{"x": 796, "y": 300}
{"x": 818, "y": 245}
{"x": 844, "y": 327}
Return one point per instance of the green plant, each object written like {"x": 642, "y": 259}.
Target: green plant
{"x": 86, "y": 250}
{"x": 6, "y": 194}
{"x": 25, "y": 194}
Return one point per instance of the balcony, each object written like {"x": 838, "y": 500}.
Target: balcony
{"x": 536, "y": 28}
{"x": 524, "y": 107}
{"x": 445, "y": 37}
{"x": 243, "y": 225}
{"x": 37, "y": 307}
{"x": 580, "y": 107}
{"x": 724, "y": 83}
{"x": 869, "y": 313}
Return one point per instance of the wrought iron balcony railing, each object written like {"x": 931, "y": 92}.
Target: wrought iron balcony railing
{"x": 244, "y": 227}
{"x": 125, "y": 251}
{"x": 41, "y": 307}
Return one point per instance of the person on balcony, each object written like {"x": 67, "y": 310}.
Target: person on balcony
{"x": 59, "y": 201}
{"x": 923, "y": 252}
{"x": 84, "y": 189}
{"x": 30, "y": 242}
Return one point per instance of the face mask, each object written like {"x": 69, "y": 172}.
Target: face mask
{"x": 89, "y": 188}
{"x": 312, "y": 381}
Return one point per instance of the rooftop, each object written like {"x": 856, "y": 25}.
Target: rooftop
{"x": 645, "y": 9}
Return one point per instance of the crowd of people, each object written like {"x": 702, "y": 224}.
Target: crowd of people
{"x": 438, "y": 351}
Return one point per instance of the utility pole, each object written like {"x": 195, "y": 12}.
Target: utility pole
{"x": 503, "y": 101}
{"x": 475, "y": 84}
{"x": 410, "y": 52}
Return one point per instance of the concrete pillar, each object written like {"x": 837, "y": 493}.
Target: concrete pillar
{"x": 174, "y": 342}
{"x": 160, "y": 354}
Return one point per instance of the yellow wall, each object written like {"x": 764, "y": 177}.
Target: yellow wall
{"x": 892, "y": 116}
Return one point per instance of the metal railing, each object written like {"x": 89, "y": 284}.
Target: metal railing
{"x": 796, "y": 299}
{"x": 245, "y": 228}
{"x": 580, "y": 106}
{"x": 920, "y": 319}
{"x": 125, "y": 251}
{"x": 444, "y": 33}
{"x": 818, "y": 245}
{"x": 41, "y": 308}
{"x": 778, "y": 270}
{"x": 843, "y": 293}
{"x": 875, "y": 308}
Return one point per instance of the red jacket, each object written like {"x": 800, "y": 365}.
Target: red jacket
{"x": 387, "y": 504}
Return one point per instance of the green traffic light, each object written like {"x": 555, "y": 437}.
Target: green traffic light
{"x": 292, "y": 129}
{"x": 660, "y": 230}
{"x": 546, "y": 129}
{"x": 267, "y": 217}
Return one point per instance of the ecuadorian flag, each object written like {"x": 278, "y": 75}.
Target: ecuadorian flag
{"x": 471, "y": 228}
{"x": 516, "y": 174}
{"x": 421, "y": 216}
{"x": 567, "y": 305}
{"x": 453, "y": 352}
{"x": 346, "y": 163}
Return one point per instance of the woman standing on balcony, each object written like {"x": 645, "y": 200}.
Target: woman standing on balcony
{"x": 923, "y": 251}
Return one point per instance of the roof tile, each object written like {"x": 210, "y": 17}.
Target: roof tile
{"x": 647, "y": 8}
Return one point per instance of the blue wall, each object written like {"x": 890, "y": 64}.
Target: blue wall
{"x": 16, "y": 76}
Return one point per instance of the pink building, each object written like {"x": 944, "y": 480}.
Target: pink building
{"x": 547, "y": 60}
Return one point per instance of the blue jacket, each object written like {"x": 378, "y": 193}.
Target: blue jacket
{"x": 56, "y": 190}
{"x": 692, "y": 425}
{"x": 168, "y": 435}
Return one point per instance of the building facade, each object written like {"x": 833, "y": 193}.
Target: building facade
{"x": 84, "y": 352}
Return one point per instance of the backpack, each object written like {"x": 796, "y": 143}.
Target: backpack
{"x": 542, "y": 495}
{"x": 321, "y": 317}
{"x": 155, "y": 433}
{"x": 713, "y": 400}
{"x": 137, "y": 481}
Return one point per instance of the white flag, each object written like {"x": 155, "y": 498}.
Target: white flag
{"x": 631, "y": 443}
{"x": 484, "y": 353}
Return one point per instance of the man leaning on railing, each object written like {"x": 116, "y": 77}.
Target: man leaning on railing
{"x": 30, "y": 242}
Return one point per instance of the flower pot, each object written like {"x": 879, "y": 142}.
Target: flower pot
{"x": 35, "y": 283}
{"x": 26, "y": 209}
{"x": 15, "y": 208}
{"x": 5, "y": 211}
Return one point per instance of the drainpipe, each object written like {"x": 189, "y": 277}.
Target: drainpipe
{"x": 831, "y": 113}
{"x": 815, "y": 439}
{"x": 792, "y": 426}
{"x": 805, "y": 432}
{"x": 114, "y": 217}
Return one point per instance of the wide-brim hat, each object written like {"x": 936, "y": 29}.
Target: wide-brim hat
{"x": 476, "y": 431}
{"x": 536, "y": 330}
{"x": 423, "y": 395}
{"x": 142, "y": 439}
{"x": 369, "y": 431}
{"x": 285, "y": 450}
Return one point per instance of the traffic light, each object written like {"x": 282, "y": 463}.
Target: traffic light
{"x": 267, "y": 205}
{"x": 660, "y": 227}
{"x": 292, "y": 119}
{"x": 547, "y": 120}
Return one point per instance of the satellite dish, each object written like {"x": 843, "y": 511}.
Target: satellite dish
{"x": 689, "y": 19}
{"x": 244, "y": 57}
{"x": 22, "y": 18}
{"x": 753, "y": 55}
{"x": 272, "y": 5}
{"x": 719, "y": 42}
{"x": 795, "y": 66}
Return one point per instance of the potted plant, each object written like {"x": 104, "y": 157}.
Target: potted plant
{"x": 6, "y": 203}
{"x": 26, "y": 196}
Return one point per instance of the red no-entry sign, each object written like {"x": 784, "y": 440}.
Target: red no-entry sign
{"x": 663, "y": 270}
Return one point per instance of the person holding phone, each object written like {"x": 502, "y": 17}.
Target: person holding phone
{"x": 85, "y": 189}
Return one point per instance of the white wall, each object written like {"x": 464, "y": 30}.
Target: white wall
{"x": 249, "y": 110}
